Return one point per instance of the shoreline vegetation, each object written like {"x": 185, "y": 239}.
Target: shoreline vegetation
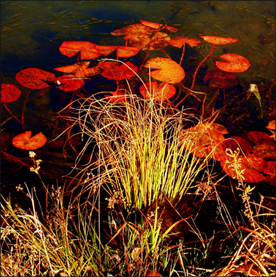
{"x": 156, "y": 189}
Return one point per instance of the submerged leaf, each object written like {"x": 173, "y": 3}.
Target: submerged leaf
{"x": 220, "y": 79}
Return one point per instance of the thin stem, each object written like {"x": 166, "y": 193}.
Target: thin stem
{"x": 194, "y": 76}
{"x": 182, "y": 55}
{"x": 11, "y": 113}
{"x": 23, "y": 109}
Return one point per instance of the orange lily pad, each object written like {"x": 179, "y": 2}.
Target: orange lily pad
{"x": 164, "y": 92}
{"x": 126, "y": 51}
{"x": 87, "y": 49}
{"x": 116, "y": 96}
{"x": 69, "y": 83}
{"x": 249, "y": 174}
{"x": 117, "y": 71}
{"x": 203, "y": 141}
{"x": 219, "y": 40}
{"x": 168, "y": 71}
{"x": 9, "y": 93}
{"x": 234, "y": 63}
{"x": 33, "y": 78}
{"x": 26, "y": 142}
{"x": 180, "y": 41}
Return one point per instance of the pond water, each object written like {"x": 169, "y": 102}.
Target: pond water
{"x": 32, "y": 31}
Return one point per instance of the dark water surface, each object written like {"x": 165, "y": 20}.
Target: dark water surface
{"x": 32, "y": 31}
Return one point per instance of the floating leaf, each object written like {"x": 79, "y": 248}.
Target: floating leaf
{"x": 87, "y": 49}
{"x": 271, "y": 128}
{"x": 9, "y": 93}
{"x": 168, "y": 70}
{"x": 218, "y": 127}
{"x": 158, "y": 26}
{"x": 117, "y": 97}
{"x": 235, "y": 142}
{"x": 69, "y": 83}
{"x": 117, "y": 71}
{"x": 220, "y": 79}
{"x": 105, "y": 49}
{"x": 32, "y": 78}
{"x": 26, "y": 142}
{"x": 164, "y": 92}
{"x": 234, "y": 63}
{"x": 259, "y": 137}
{"x": 204, "y": 140}
{"x": 80, "y": 69}
{"x": 139, "y": 41}
{"x": 219, "y": 40}
{"x": 126, "y": 51}
{"x": 158, "y": 41}
{"x": 249, "y": 174}
{"x": 180, "y": 41}
{"x": 265, "y": 151}
{"x": 133, "y": 29}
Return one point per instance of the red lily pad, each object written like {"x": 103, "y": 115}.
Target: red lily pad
{"x": 33, "y": 78}
{"x": 26, "y": 142}
{"x": 259, "y": 137}
{"x": 116, "y": 96}
{"x": 235, "y": 142}
{"x": 164, "y": 92}
{"x": 87, "y": 49}
{"x": 69, "y": 83}
{"x": 117, "y": 71}
{"x": 219, "y": 40}
{"x": 234, "y": 63}
{"x": 9, "y": 93}
{"x": 249, "y": 174}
